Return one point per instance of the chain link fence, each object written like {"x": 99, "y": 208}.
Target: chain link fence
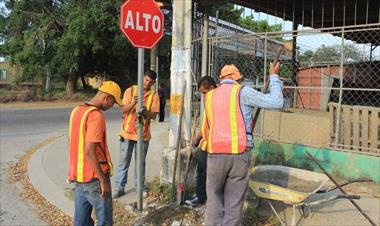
{"x": 331, "y": 78}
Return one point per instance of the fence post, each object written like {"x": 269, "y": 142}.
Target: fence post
{"x": 265, "y": 72}
{"x": 337, "y": 131}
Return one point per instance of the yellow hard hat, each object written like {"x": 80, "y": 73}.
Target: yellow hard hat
{"x": 113, "y": 89}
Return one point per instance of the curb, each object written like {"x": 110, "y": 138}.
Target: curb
{"x": 44, "y": 185}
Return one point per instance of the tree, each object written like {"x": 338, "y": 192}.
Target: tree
{"x": 227, "y": 11}
{"x": 69, "y": 38}
{"x": 326, "y": 54}
{"x": 332, "y": 55}
{"x": 306, "y": 57}
{"x": 258, "y": 26}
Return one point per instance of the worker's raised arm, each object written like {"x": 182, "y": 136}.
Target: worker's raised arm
{"x": 130, "y": 106}
{"x": 273, "y": 99}
{"x": 129, "y": 102}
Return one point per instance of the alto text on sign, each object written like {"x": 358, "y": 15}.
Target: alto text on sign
{"x": 143, "y": 23}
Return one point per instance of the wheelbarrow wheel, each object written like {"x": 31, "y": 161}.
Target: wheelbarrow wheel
{"x": 252, "y": 199}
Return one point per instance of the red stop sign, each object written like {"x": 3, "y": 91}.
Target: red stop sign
{"x": 142, "y": 22}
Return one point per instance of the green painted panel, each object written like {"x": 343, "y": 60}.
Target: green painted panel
{"x": 347, "y": 165}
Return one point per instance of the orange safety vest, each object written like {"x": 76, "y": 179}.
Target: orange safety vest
{"x": 80, "y": 169}
{"x": 227, "y": 132}
{"x": 129, "y": 120}
{"x": 204, "y": 132}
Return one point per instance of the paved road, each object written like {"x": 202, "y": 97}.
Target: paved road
{"x": 20, "y": 130}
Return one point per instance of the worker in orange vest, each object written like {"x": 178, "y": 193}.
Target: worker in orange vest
{"x": 205, "y": 84}
{"x": 90, "y": 165}
{"x": 230, "y": 142}
{"x": 128, "y": 133}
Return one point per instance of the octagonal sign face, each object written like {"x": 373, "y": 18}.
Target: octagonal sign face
{"x": 142, "y": 22}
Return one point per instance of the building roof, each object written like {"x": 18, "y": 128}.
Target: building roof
{"x": 321, "y": 13}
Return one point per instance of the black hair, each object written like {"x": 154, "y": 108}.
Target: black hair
{"x": 151, "y": 74}
{"x": 207, "y": 82}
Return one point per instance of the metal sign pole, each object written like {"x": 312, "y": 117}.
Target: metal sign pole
{"x": 139, "y": 150}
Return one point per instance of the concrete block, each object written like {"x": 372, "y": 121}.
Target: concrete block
{"x": 167, "y": 166}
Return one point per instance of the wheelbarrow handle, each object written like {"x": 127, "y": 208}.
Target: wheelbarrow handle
{"x": 350, "y": 197}
{"x": 331, "y": 198}
{"x": 359, "y": 180}
{"x": 336, "y": 184}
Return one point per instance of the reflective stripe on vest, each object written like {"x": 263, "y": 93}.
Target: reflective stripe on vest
{"x": 203, "y": 145}
{"x": 204, "y": 132}
{"x": 227, "y": 132}
{"x": 210, "y": 120}
{"x": 79, "y": 168}
{"x": 130, "y": 119}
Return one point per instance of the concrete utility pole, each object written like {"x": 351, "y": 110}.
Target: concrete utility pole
{"x": 204, "y": 54}
{"x": 180, "y": 75}
{"x": 204, "y": 44}
{"x": 180, "y": 68}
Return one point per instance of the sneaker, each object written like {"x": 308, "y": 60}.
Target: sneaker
{"x": 195, "y": 201}
{"x": 145, "y": 191}
{"x": 118, "y": 194}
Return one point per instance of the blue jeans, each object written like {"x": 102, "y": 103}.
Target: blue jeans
{"x": 126, "y": 151}
{"x": 87, "y": 196}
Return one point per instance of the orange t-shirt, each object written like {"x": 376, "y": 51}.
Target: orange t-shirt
{"x": 127, "y": 99}
{"x": 96, "y": 133}
{"x": 96, "y": 127}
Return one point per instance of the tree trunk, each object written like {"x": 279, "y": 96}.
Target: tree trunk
{"x": 70, "y": 83}
{"x": 85, "y": 86}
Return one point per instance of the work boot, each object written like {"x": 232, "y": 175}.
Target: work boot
{"x": 118, "y": 194}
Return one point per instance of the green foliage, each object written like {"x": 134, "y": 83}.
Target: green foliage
{"x": 326, "y": 54}
{"x": 331, "y": 55}
{"x": 307, "y": 56}
{"x": 227, "y": 12}
{"x": 258, "y": 26}
{"x": 67, "y": 37}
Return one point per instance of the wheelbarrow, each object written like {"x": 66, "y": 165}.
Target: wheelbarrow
{"x": 293, "y": 187}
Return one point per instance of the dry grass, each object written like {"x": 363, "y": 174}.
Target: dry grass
{"x": 18, "y": 173}
{"x": 17, "y": 94}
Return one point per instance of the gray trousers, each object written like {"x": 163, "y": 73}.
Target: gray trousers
{"x": 227, "y": 182}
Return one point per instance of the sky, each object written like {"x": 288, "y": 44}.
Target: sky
{"x": 308, "y": 40}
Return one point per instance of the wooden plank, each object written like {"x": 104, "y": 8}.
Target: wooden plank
{"x": 346, "y": 127}
{"x": 365, "y": 129}
{"x": 374, "y": 125}
{"x": 355, "y": 128}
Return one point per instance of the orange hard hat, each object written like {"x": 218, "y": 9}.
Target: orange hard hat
{"x": 230, "y": 69}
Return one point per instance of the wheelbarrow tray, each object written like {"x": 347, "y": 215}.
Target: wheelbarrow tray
{"x": 285, "y": 184}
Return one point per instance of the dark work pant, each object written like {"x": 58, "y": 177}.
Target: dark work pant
{"x": 162, "y": 111}
{"x": 227, "y": 181}
{"x": 201, "y": 175}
